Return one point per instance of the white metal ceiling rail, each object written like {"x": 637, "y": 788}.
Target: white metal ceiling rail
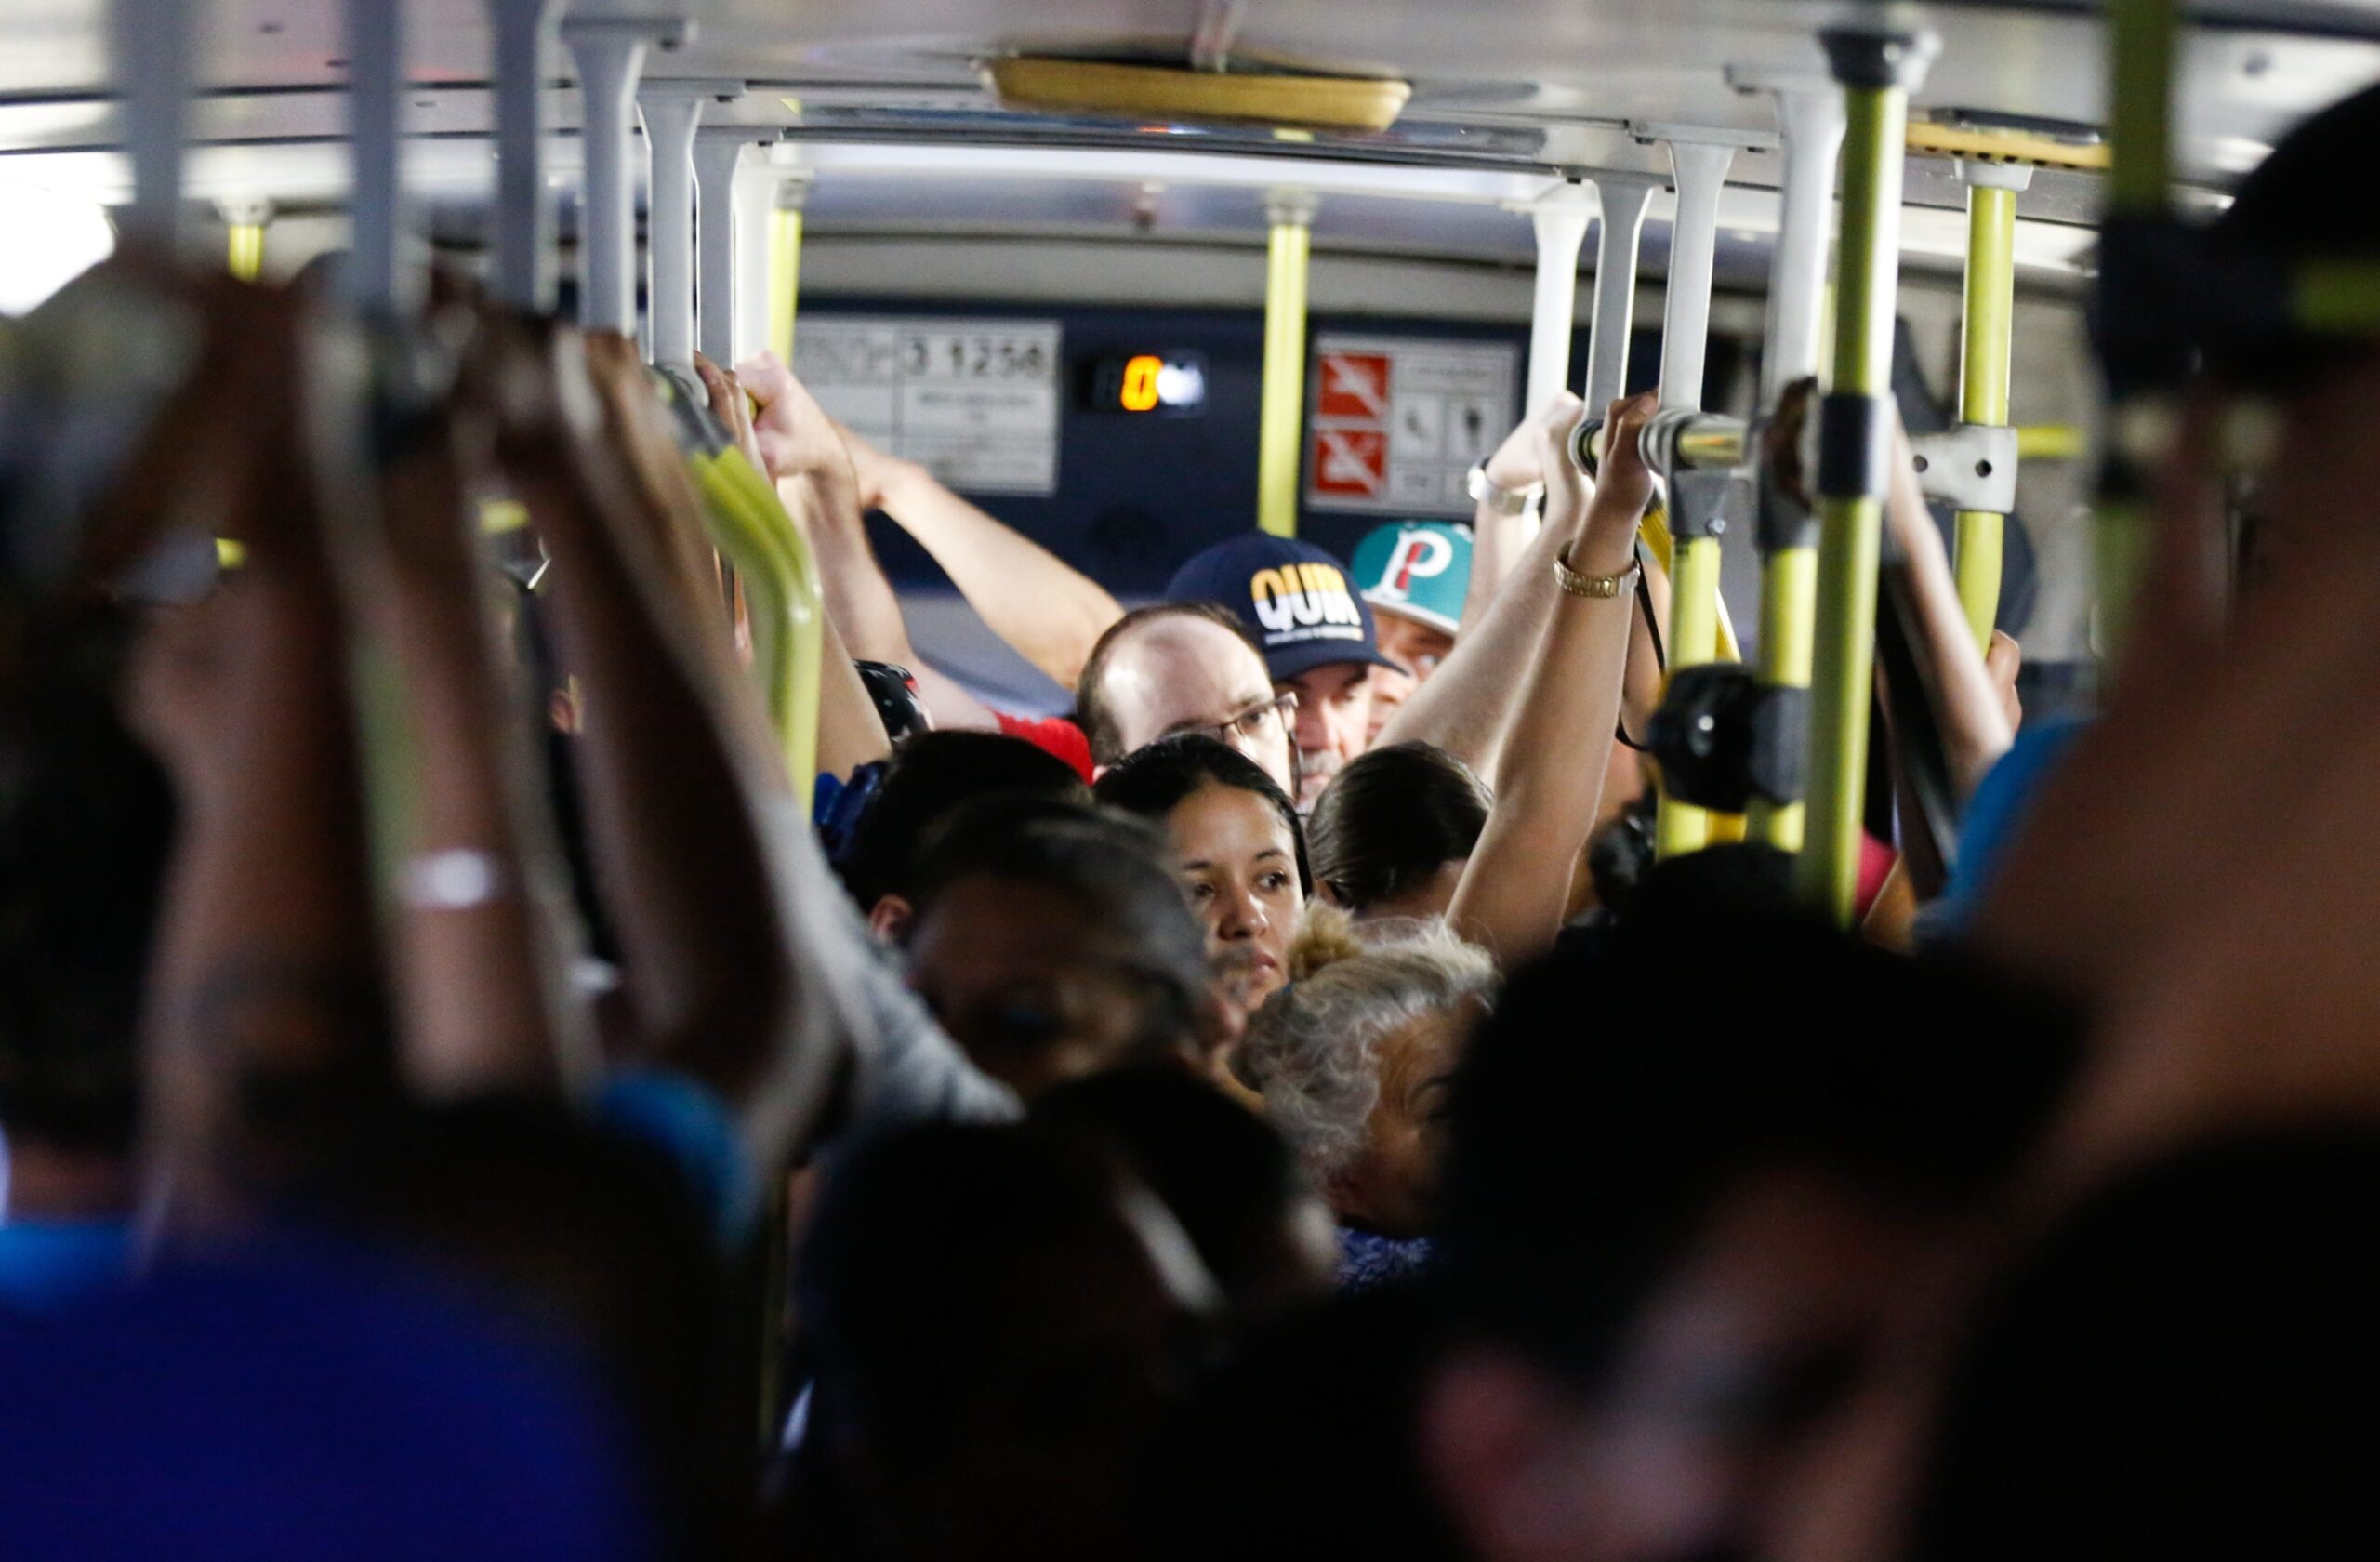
{"x": 1324, "y": 177}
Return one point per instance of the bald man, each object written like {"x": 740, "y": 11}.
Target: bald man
{"x": 1184, "y": 666}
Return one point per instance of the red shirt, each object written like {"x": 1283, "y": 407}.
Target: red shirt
{"x": 1876, "y": 861}
{"x": 1053, "y": 735}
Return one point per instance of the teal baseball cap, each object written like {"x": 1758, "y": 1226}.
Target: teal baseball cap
{"x": 1416, "y": 569}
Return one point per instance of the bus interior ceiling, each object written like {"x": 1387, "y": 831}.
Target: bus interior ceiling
{"x": 927, "y": 197}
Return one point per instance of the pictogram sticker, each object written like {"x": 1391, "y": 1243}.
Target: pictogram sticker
{"x": 1398, "y": 420}
{"x": 1353, "y": 462}
{"x": 1354, "y": 385}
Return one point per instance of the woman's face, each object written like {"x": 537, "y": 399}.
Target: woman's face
{"x": 1392, "y": 1185}
{"x": 1238, "y": 864}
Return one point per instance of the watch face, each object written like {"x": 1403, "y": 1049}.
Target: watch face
{"x": 1483, "y": 491}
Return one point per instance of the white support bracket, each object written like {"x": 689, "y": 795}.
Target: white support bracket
{"x": 778, "y": 181}
{"x": 1699, "y": 159}
{"x": 718, "y": 154}
{"x": 244, "y": 211}
{"x": 1968, "y": 465}
{"x": 1560, "y": 217}
{"x": 376, "y": 95}
{"x": 609, "y": 52}
{"x": 149, "y": 55}
{"x": 672, "y": 110}
{"x": 1624, "y": 198}
{"x": 525, "y": 219}
{"x": 1810, "y": 125}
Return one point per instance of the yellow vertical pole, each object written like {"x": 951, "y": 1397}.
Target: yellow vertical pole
{"x": 244, "y": 222}
{"x": 1680, "y": 827}
{"x": 1289, "y": 256}
{"x": 1986, "y": 333}
{"x": 1788, "y": 589}
{"x": 784, "y": 264}
{"x": 2143, "y": 375}
{"x": 1877, "y": 69}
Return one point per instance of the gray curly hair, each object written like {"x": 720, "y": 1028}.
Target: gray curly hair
{"x": 1314, "y": 1048}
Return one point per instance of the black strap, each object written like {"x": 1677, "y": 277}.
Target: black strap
{"x": 1653, "y": 628}
{"x": 1913, "y": 695}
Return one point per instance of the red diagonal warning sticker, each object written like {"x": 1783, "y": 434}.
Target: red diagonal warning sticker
{"x": 1352, "y": 461}
{"x": 1354, "y": 385}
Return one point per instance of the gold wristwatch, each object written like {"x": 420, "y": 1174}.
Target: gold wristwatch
{"x": 1596, "y": 587}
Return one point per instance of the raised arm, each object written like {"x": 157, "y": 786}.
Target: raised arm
{"x": 1516, "y": 888}
{"x": 674, "y": 756}
{"x": 1465, "y": 705}
{"x": 805, "y": 457}
{"x": 850, "y": 732}
{"x": 1050, "y": 613}
{"x": 269, "y": 1040}
{"x": 481, "y": 981}
{"x": 1499, "y": 540}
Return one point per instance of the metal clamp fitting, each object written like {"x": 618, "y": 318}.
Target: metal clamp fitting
{"x": 1702, "y": 501}
{"x": 1880, "y": 61}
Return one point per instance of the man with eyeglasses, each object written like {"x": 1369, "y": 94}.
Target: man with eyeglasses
{"x": 1316, "y": 634}
{"x": 1180, "y": 666}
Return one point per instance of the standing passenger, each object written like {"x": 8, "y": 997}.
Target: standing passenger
{"x": 1187, "y": 666}
{"x": 1236, "y": 848}
{"x": 1316, "y": 634}
{"x": 1415, "y": 575}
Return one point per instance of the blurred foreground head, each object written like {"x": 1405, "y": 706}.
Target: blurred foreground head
{"x": 1001, "y": 1320}
{"x": 1051, "y": 943}
{"x": 1694, "y": 1163}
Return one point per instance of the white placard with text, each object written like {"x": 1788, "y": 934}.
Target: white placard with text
{"x": 975, "y": 402}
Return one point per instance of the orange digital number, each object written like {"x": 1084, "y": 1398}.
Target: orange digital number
{"x": 1140, "y": 383}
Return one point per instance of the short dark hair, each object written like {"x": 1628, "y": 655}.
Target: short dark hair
{"x": 2164, "y": 1371}
{"x": 1392, "y": 818}
{"x": 1097, "y": 721}
{"x": 1584, "y": 1157}
{"x": 1112, "y": 864}
{"x": 927, "y": 779}
{"x": 2294, "y": 208}
{"x": 1153, "y": 781}
{"x": 907, "y": 1260}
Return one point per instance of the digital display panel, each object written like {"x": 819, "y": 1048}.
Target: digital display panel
{"x": 1170, "y": 384}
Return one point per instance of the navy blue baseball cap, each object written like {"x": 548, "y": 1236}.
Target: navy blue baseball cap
{"x": 1292, "y": 594}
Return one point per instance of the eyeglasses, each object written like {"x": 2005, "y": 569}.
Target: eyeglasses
{"x": 1249, "y": 724}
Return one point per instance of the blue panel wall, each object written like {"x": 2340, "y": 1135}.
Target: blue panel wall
{"x": 1139, "y": 494}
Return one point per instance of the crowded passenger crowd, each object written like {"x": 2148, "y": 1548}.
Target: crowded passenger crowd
{"x": 467, "y": 1093}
